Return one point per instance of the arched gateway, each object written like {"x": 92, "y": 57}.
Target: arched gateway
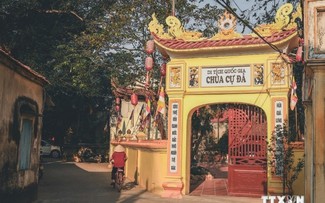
{"x": 227, "y": 68}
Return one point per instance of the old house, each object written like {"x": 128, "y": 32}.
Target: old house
{"x": 313, "y": 97}
{"x": 21, "y": 106}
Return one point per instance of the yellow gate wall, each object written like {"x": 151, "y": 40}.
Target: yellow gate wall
{"x": 146, "y": 167}
{"x": 192, "y": 98}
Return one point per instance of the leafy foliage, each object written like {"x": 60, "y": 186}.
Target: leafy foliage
{"x": 80, "y": 45}
{"x": 282, "y": 158}
{"x": 201, "y": 128}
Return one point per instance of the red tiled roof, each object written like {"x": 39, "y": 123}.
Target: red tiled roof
{"x": 140, "y": 89}
{"x": 178, "y": 44}
{"x": 25, "y": 68}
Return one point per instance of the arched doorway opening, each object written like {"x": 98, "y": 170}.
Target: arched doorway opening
{"x": 228, "y": 150}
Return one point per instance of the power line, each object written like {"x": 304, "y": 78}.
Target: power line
{"x": 230, "y": 10}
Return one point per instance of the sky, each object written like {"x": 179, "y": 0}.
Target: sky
{"x": 240, "y": 5}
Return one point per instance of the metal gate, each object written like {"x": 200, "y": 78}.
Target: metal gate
{"x": 247, "y": 150}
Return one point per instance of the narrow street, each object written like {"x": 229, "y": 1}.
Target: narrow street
{"x": 76, "y": 182}
{"x": 69, "y": 182}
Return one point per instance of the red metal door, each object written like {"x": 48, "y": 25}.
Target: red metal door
{"x": 247, "y": 149}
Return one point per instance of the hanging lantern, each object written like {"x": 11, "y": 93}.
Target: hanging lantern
{"x": 117, "y": 100}
{"x": 134, "y": 99}
{"x": 149, "y": 63}
{"x": 163, "y": 69}
{"x": 150, "y": 47}
{"x": 117, "y": 108}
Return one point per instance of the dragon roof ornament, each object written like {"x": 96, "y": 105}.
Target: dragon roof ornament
{"x": 284, "y": 20}
{"x": 175, "y": 30}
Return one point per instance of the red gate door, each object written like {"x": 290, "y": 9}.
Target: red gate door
{"x": 247, "y": 150}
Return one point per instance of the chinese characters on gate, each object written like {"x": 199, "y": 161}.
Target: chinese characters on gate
{"x": 174, "y": 137}
{"x": 279, "y": 140}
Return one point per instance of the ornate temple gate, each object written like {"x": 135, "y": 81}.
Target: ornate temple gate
{"x": 232, "y": 68}
{"x": 247, "y": 150}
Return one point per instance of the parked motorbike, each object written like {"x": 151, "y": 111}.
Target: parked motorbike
{"x": 85, "y": 154}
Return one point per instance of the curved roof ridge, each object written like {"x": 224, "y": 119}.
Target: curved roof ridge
{"x": 180, "y": 44}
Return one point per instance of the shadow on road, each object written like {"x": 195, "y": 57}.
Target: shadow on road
{"x": 75, "y": 182}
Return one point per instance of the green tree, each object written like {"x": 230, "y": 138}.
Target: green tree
{"x": 282, "y": 158}
{"x": 80, "y": 45}
{"x": 201, "y": 129}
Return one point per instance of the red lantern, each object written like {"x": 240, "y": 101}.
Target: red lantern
{"x": 117, "y": 100}
{"x": 149, "y": 63}
{"x": 134, "y": 99}
{"x": 117, "y": 108}
{"x": 163, "y": 69}
{"x": 150, "y": 47}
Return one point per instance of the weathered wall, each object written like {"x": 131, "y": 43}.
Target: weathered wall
{"x": 12, "y": 87}
{"x": 314, "y": 55}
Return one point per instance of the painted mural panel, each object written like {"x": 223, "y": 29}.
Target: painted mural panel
{"x": 258, "y": 74}
{"x": 194, "y": 77}
{"x": 278, "y": 73}
{"x": 175, "y": 77}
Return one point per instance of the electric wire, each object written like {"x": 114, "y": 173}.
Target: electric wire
{"x": 230, "y": 10}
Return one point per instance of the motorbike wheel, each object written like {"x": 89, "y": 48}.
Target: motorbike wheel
{"x": 119, "y": 182}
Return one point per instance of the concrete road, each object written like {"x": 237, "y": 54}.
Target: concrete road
{"x": 76, "y": 182}
{"x": 65, "y": 182}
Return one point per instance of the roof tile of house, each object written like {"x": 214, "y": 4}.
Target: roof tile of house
{"x": 24, "y": 67}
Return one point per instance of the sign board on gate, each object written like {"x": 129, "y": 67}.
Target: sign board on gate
{"x": 226, "y": 76}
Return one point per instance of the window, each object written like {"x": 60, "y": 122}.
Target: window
{"x": 25, "y": 144}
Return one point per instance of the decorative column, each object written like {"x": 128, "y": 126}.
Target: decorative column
{"x": 174, "y": 184}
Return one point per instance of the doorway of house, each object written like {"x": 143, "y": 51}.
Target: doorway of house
{"x": 228, "y": 152}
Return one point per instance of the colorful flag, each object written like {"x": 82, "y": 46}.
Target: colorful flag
{"x": 141, "y": 110}
{"x": 148, "y": 107}
{"x": 124, "y": 128}
{"x": 161, "y": 106}
{"x": 293, "y": 97}
{"x": 119, "y": 120}
{"x": 131, "y": 115}
{"x": 131, "y": 118}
